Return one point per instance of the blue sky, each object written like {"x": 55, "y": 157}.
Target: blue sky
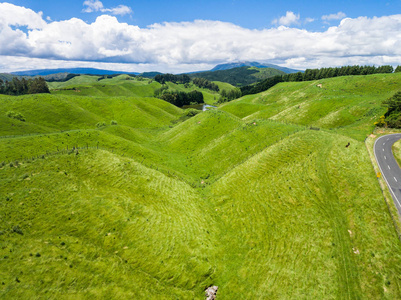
{"x": 252, "y": 14}
{"x": 181, "y": 35}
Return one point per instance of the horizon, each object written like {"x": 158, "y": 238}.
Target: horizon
{"x": 179, "y": 37}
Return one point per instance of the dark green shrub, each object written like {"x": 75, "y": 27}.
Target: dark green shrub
{"x": 18, "y": 230}
{"x": 113, "y": 122}
{"x": 190, "y": 112}
{"x": 100, "y": 124}
{"x": 14, "y": 115}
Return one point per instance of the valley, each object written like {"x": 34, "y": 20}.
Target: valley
{"x": 109, "y": 192}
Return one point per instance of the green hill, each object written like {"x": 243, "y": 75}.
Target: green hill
{"x": 239, "y": 76}
{"x": 246, "y": 197}
{"x": 125, "y": 85}
{"x": 348, "y": 105}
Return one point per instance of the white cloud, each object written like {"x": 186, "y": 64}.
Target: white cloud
{"x": 187, "y": 46}
{"x": 338, "y": 16}
{"x": 119, "y": 10}
{"x": 92, "y": 5}
{"x": 96, "y": 5}
{"x": 287, "y": 20}
{"x": 20, "y": 16}
{"x": 309, "y": 20}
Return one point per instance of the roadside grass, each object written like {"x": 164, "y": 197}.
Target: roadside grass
{"x": 397, "y": 152}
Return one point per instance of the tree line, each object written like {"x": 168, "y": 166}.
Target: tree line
{"x": 24, "y": 86}
{"x": 181, "y": 98}
{"x": 204, "y": 83}
{"x": 228, "y": 95}
{"x": 316, "y": 74}
{"x": 163, "y": 78}
{"x": 185, "y": 79}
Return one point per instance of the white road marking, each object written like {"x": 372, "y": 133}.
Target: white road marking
{"x": 383, "y": 150}
{"x": 384, "y": 143}
{"x": 395, "y": 179}
{"x": 389, "y": 167}
{"x": 385, "y": 157}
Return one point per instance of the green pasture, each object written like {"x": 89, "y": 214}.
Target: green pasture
{"x": 348, "y": 105}
{"x": 259, "y": 197}
{"x": 125, "y": 86}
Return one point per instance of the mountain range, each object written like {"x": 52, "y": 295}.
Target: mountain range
{"x": 93, "y": 71}
{"x": 252, "y": 64}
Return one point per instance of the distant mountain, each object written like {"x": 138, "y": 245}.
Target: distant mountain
{"x": 239, "y": 76}
{"x": 90, "y": 71}
{"x": 49, "y": 78}
{"x": 229, "y": 66}
{"x": 7, "y": 76}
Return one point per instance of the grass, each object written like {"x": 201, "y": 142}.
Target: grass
{"x": 348, "y": 105}
{"x": 270, "y": 239}
{"x": 125, "y": 86}
{"x": 245, "y": 197}
{"x": 54, "y": 112}
{"x": 104, "y": 235}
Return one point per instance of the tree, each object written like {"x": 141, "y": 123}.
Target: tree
{"x": 393, "y": 114}
{"x": 38, "y": 85}
{"x": 398, "y": 69}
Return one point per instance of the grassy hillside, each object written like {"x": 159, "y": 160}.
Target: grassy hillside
{"x": 348, "y": 105}
{"x": 50, "y": 113}
{"x": 87, "y": 85}
{"x": 239, "y": 76}
{"x": 96, "y": 225}
{"x": 124, "y": 85}
{"x": 246, "y": 197}
{"x": 307, "y": 228}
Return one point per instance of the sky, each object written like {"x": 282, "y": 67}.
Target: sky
{"x": 181, "y": 36}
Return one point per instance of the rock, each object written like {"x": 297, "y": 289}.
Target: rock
{"x": 211, "y": 292}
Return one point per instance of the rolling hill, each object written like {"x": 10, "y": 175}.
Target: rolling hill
{"x": 250, "y": 197}
{"x": 125, "y": 85}
{"x": 239, "y": 76}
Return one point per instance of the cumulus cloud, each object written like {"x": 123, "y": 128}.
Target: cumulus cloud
{"x": 92, "y": 5}
{"x": 338, "y": 16}
{"x": 96, "y": 5}
{"x": 201, "y": 43}
{"x": 287, "y": 20}
{"x": 20, "y": 16}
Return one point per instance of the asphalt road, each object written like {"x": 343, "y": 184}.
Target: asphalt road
{"x": 389, "y": 168}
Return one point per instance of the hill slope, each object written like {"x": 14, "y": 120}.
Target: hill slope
{"x": 349, "y": 105}
{"x": 252, "y": 64}
{"x": 239, "y": 76}
{"x": 246, "y": 197}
